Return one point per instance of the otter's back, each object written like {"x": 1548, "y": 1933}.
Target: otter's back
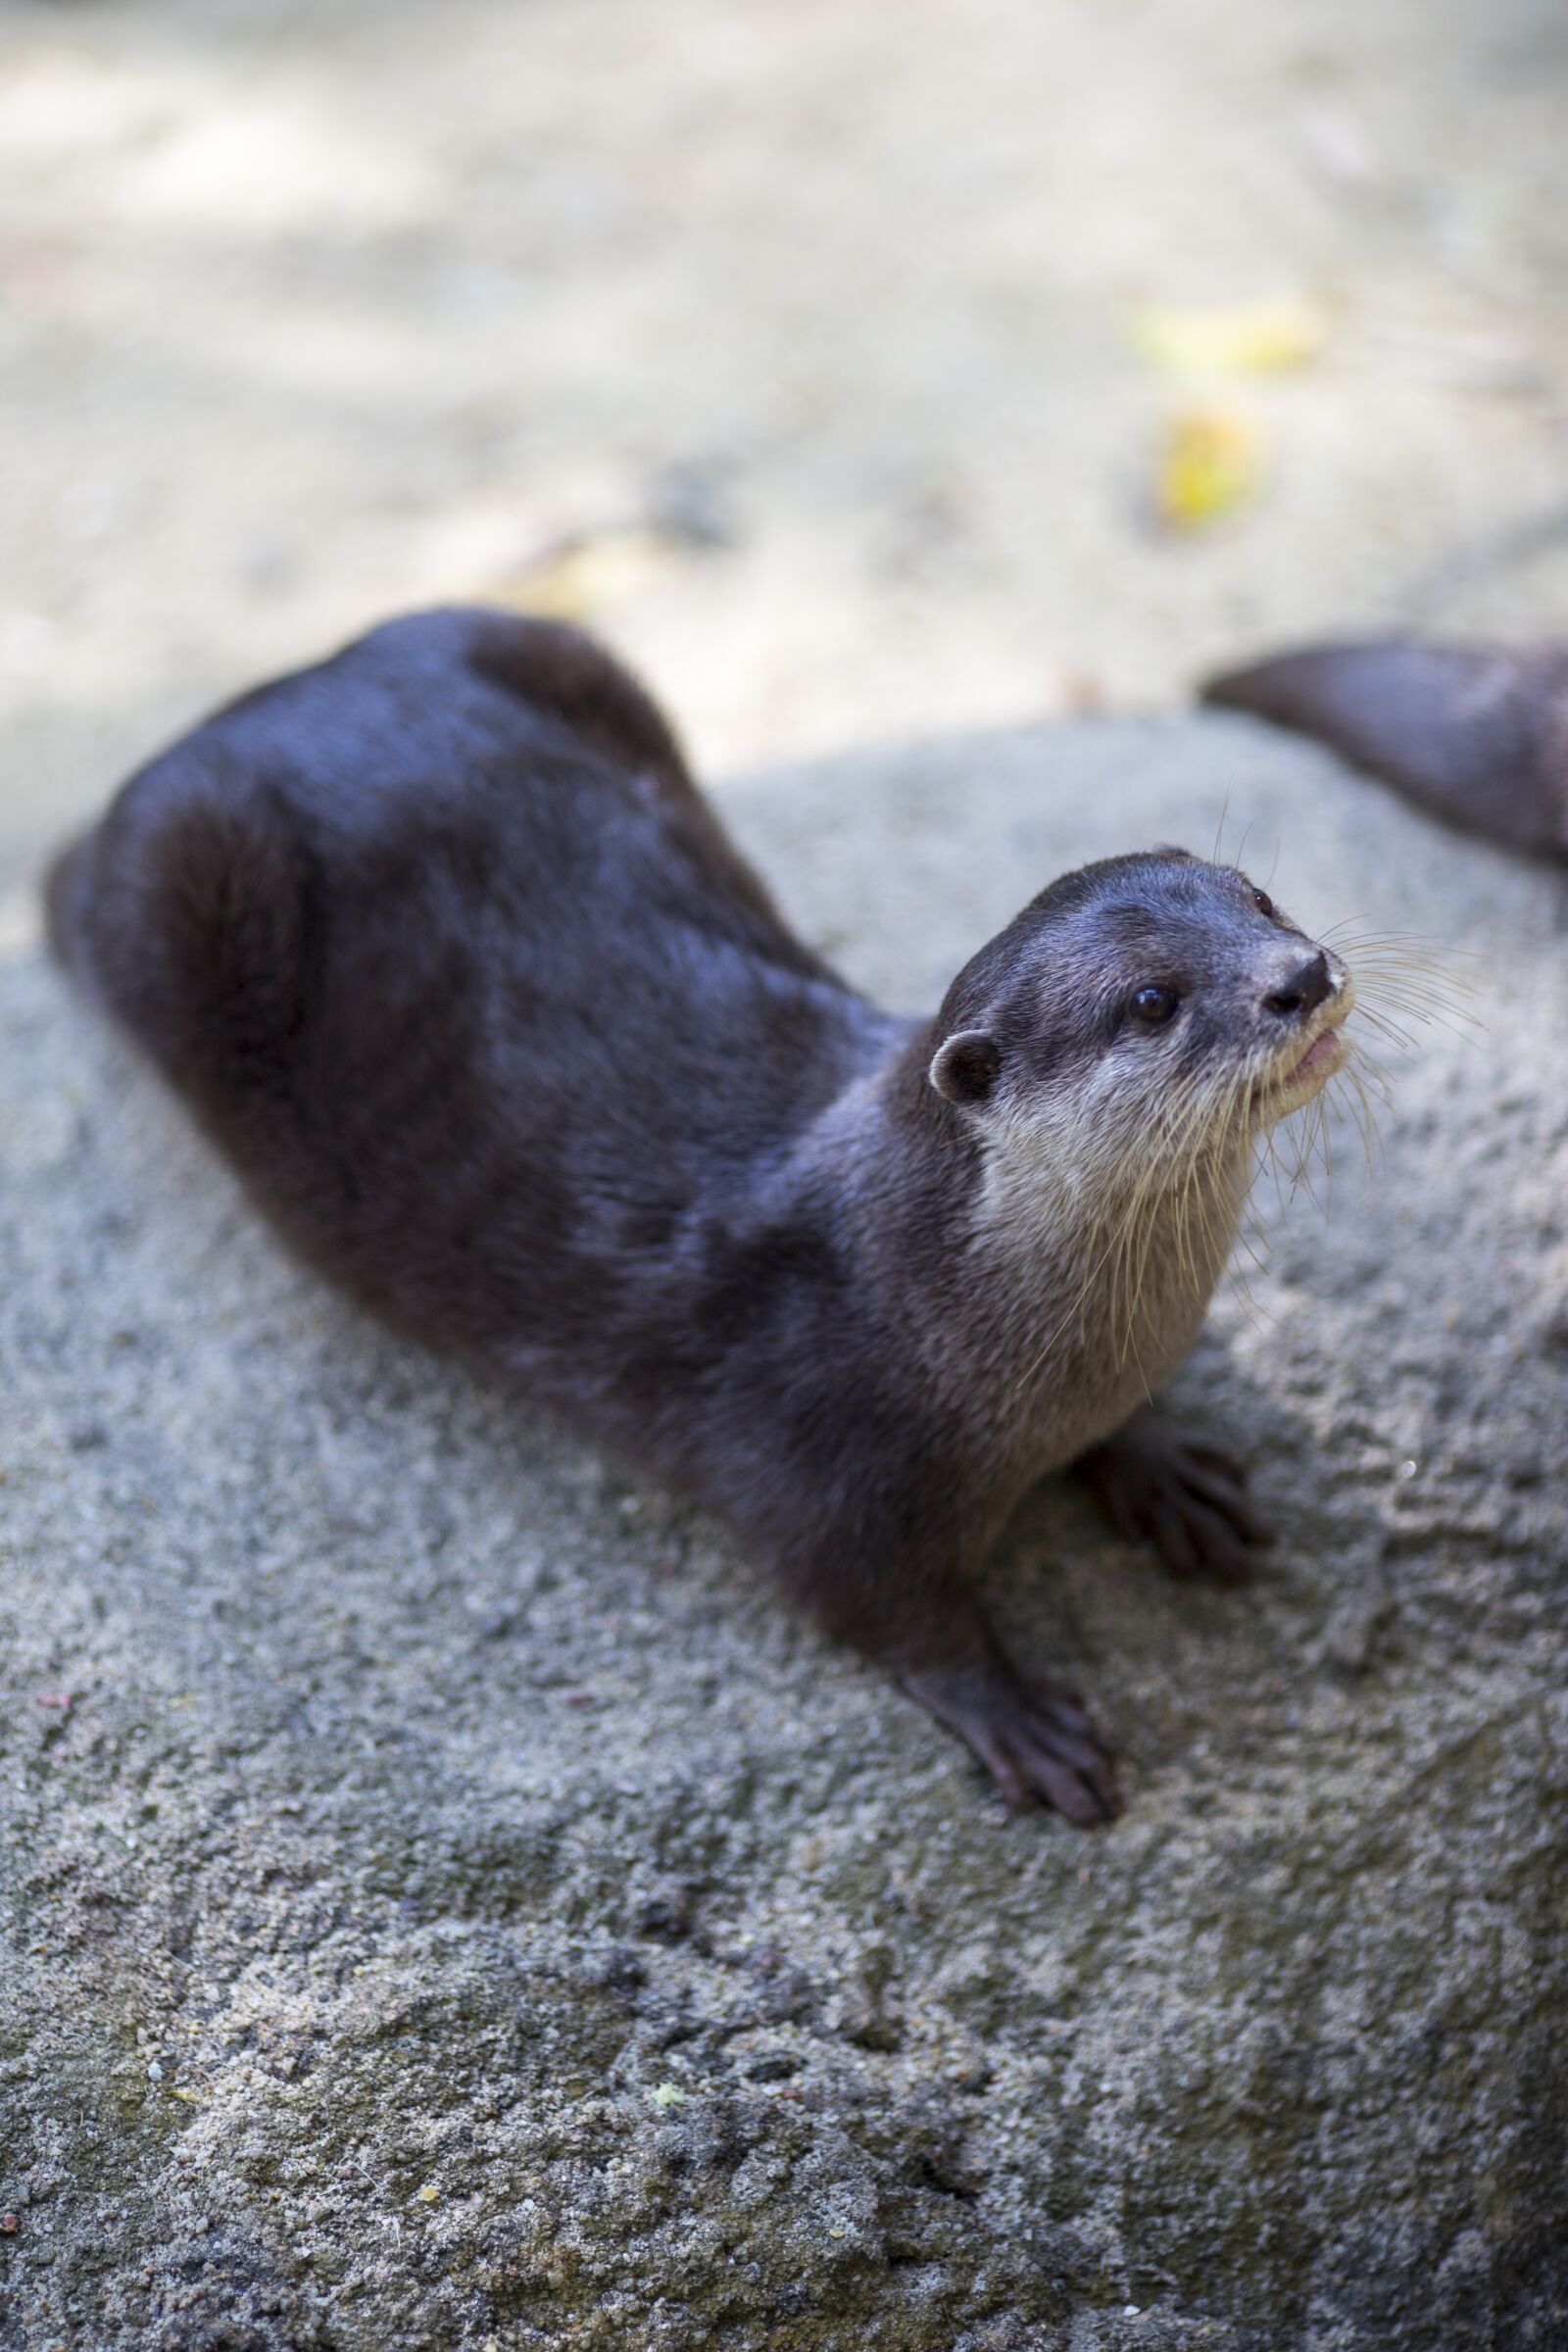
{"x": 446, "y": 952}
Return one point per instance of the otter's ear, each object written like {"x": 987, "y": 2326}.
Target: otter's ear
{"x": 965, "y": 1069}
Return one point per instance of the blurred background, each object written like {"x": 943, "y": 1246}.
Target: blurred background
{"x": 860, "y": 371}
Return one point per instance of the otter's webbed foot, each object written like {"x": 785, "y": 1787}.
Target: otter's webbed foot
{"x": 1033, "y": 1737}
{"x": 1188, "y": 1499}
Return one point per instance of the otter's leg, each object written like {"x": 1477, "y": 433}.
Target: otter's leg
{"x": 1033, "y": 1735}
{"x": 1187, "y": 1499}
{"x": 920, "y": 1619}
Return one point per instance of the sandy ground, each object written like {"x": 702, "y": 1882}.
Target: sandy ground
{"x": 313, "y": 314}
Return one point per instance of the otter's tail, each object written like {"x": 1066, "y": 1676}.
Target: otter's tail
{"x": 1475, "y": 734}
{"x": 185, "y": 914}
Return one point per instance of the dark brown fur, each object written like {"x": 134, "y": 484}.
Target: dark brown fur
{"x": 1475, "y": 734}
{"x": 447, "y": 955}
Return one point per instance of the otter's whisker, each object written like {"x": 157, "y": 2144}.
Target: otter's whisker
{"x": 1395, "y": 957}
{"x": 1365, "y": 1118}
{"x": 1323, "y": 1140}
{"x": 1202, "y": 1150}
{"x": 1428, "y": 944}
{"x": 1251, "y": 1237}
{"x": 1136, "y": 1229}
{"x": 1456, "y": 1019}
{"x": 1436, "y": 985}
{"x": 1395, "y": 1031}
{"x": 1219, "y": 829}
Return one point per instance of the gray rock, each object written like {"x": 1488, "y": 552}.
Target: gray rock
{"x": 457, "y": 1908}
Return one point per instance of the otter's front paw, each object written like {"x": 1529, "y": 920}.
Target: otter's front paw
{"x": 1188, "y": 1499}
{"x": 1033, "y": 1737}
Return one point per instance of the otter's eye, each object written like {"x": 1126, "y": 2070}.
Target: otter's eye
{"x": 1154, "y": 1005}
{"x": 1263, "y": 903}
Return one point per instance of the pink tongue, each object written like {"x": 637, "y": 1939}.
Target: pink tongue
{"x": 1315, "y": 1056}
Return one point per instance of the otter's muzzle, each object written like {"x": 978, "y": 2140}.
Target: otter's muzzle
{"x": 1303, "y": 990}
{"x": 1309, "y": 997}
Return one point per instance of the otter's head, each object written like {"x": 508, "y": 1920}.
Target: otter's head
{"x": 1152, "y": 1008}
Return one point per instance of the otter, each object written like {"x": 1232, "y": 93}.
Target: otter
{"x": 1475, "y": 734}
{"x": 451, "y": 960}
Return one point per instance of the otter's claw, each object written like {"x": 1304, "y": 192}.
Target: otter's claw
{"x": 1188, "y": 1500}
{"x": 1034, "y": 1737}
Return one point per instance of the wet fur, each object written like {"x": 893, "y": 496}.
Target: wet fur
{"x": 452, "y": 962}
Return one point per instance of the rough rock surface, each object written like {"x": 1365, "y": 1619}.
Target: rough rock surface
{"x": 455, "y": 1907}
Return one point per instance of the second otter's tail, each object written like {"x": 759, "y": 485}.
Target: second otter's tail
{"x": 1475, "y": 734}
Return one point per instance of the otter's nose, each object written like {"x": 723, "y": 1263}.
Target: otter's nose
{"x": 1302, "y": 991}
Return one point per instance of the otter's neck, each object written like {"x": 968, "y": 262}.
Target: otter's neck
{"x": 1068, "y": 1293}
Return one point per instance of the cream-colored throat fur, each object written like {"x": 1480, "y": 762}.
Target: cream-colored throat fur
{"x": 1100, "y": 1280}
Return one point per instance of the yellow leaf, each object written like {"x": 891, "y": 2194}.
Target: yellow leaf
{"x": 428, "y": 2193}
{"x": 1211, "y": 464}
{"x": 580, "y": 576}
{"x": 1233, "y": 338}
